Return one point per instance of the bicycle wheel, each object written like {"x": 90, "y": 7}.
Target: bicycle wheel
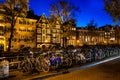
{"x": 68, "y": 62}
{"x": 21, "y": 64}
{"x": 45, "y": 66}
{"x": 26, "y": 67}
{"x": 38, "y": 64}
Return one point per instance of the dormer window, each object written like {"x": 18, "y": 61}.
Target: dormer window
{"x": 43, "y": 20}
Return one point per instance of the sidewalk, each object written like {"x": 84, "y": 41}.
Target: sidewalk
{"x": 106, "y": 71}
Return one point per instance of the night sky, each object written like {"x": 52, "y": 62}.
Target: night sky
{"x": 90, "y": 10}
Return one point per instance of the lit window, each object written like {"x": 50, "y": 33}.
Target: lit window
{"x": 38, "y": 30}
{"x": 53, "y": 35}
{"x": 29, "y": 28}
{"x": 57, "y": 22}
{"x": 86, "y": 40}
{"x": 22, "y": 28}
{"x": 38, "y": 36}
{"x": 43, "y": 20}
{"x": 57, "y": 26}
{"x": 1, "y": 33}
{"x": 58, "y": 31}
{"x": 112, "y": 38}
{"x": 38, "y": 39}
{"x": 74, "y": 28}
{"x": 54, "y": 40}
{"x": 48, "y": 38}
{"x": 54, "y": 30}
{"x": 73, "y": 37}
{"x": 48, "y": 31}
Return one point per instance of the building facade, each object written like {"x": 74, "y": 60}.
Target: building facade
{"x": 48, "y": 34}
{"x": 96, "y": 37}
{"x": 36, "y": 33}
{"x": 24, "y": 33}
{"x": 84, "y": 37}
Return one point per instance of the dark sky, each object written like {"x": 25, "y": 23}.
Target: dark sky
{"x": 90, "y": 9}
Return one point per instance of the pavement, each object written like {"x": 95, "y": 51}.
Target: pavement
{"x": 103, "y": 70}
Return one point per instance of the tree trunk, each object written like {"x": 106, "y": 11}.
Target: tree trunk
{"x": 64, "y": 42}
{"x": 11, "y": 35}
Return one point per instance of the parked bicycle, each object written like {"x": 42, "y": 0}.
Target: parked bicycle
{"x": 38, "y": 63}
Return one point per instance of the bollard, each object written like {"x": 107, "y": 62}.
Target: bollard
{"x": 1, "y": 71}
{"x": 4, "y": 69}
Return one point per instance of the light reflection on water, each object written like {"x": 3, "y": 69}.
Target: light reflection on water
{"x": 93, "y": 64}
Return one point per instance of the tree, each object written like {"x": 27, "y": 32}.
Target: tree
{"x": 11, "y": 10}
{"x": 69, "y": 30}
{"x": 32, "y": 15}
{"x": 66, "y": 11}
{"x": 91, "y": 29}
{"x": 112, "y": 7}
